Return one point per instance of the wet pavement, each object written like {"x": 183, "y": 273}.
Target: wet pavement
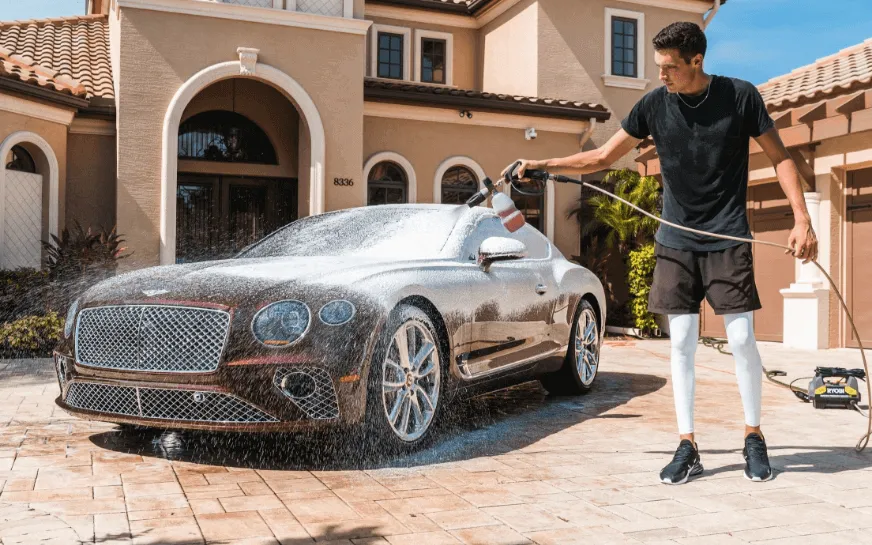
{"x": 512, "y": 467}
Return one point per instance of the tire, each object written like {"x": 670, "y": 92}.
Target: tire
{"x": 404, "y": 405}
{"x": 578, "y": 374}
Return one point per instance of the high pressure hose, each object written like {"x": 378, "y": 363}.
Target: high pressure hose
{"x": 543, "y": 176}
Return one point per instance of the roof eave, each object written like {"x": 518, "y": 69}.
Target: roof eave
{"x": 483, "y": 104}
{"x": 49, "y": 95}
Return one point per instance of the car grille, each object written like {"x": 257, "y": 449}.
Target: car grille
{"x": 163, "y": 404}
{"x": 152, "y": 338}
{"x": 311, "y": 389}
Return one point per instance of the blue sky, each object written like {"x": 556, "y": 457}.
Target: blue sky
{"x": 750, "y": 39}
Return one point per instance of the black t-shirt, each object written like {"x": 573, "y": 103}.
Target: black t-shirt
{"x": 703, "y": 158}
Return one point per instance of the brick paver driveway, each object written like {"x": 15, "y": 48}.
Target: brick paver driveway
{"x": 513, "y": 467}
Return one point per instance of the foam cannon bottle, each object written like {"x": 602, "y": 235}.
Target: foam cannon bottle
{"x": 510, "y": 216}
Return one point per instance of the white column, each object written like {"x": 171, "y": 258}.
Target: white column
{"x": 806, "y": 301}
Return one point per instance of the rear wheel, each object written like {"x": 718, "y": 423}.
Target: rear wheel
{"x": 405, "y": 381}
{"x": 582, "y": 357}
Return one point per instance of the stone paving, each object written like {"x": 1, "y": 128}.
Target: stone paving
{"x": 512, "y": 468}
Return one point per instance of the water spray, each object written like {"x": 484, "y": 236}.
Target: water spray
{"x": 823, "y": 393}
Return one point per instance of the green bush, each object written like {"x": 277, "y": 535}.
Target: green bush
{"x": 23, "y": 292}
{"x": 640, "y": 274}
{"x": 31, "y": 336}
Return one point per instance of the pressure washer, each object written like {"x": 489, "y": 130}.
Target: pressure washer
{"x": 830, "y": 387}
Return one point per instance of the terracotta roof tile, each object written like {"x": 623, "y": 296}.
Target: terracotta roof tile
{"x": 25, "y": 70}
{"x": 840, "y": 73}
{"x": 75, "y": 50}
{"x": 381, "y": 89}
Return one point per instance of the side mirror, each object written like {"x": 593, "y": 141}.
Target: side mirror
{"x": 499, "y": 249}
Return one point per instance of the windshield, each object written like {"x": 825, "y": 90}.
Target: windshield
{"x": 376, "y": 231}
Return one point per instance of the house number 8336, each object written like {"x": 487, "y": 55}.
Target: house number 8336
{"x": 343, "y": 181}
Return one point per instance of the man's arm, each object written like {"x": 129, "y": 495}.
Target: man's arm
{"x": 584, "y": 162}
{"x": 802, "y": 238}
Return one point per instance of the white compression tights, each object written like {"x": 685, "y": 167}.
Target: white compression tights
{"x": 684, "y": 335}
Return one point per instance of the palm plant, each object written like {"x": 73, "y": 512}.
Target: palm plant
{"x": 608, "y": 225}
{"x": 619, "y": 225}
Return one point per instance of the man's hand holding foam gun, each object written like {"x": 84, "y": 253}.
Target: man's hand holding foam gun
{"x": 511, "y": 218}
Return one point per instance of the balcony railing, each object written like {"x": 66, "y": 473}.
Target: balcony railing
{"x": 331, "y": 8}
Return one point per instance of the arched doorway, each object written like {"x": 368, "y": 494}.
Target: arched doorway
{"x": 238, "y": 169}
{"x": 311, "y": 136}
{"x": 28, "y": 172}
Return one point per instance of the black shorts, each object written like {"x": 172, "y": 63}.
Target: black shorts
{"x": 683, "y": 277}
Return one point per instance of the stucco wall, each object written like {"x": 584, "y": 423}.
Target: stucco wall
{"x": 56, "y": 136}
{"x": 91, "y": 181}
{"x": 426, "y": 145}
{"x": 465, "y": 44}
{"x": 264, "y": 106}
{"x": 161, "y": 51}
{"x": 509, "y": 51}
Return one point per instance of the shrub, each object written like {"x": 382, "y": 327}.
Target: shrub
{"x": 639, "y": 276}
{"x": 77, "y": 259}
{"x": 22, "y": 293}
{"x": 31, "y": 336}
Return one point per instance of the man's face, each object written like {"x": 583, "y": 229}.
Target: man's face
{"x": 675, "y": 73}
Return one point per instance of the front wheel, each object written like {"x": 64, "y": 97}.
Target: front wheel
{"x": 405, "y": 381}
{"x": 582, "y": 357}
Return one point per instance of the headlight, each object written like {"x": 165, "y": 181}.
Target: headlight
{"x": 281, "y": 323}
{"x": 71, "y": 316}
{"x": 336, "y": 312}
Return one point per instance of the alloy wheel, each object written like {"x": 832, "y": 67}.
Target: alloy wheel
{"x": 411, "y": 380}
{"x": 586, "y": 346}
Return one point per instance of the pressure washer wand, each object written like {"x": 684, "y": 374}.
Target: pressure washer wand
{"x": 543, "y": 177}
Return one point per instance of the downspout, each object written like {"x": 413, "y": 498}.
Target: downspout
{"x": 549, "y": 189}
{"x": 711, "y": 15}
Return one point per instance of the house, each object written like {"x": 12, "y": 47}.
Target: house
{"x": 823, "y": 113}
{"x": 199, "y": 126}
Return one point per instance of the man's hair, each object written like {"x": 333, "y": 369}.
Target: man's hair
{"x": 684, "y": 36}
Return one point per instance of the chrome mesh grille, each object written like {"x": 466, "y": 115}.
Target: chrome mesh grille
{"x": 103, "y": 398}
{"x": 321, "y": 403}
{"x": 163, "y": 404}
{"x": 152, "y": 338}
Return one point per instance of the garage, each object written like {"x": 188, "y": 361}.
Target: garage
{"x": 771, "y": 219}
{"x": 859, "y": 252}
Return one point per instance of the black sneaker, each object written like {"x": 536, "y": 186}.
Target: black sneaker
{"x": 684, "y": 465}
{"x": 756, "y": 459}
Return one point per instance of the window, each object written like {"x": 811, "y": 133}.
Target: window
{"x": 533, "y": 208}
{"x": 390, "y": 55}
{"x": 19, "y": 159}
{"x": 458, "y": 184}
{"x": 624, "y": 47}
{"x": 390, "y": 52}
{"x": 386, "y": 184}
{"x": 433, "y": 60}
{"x": 433, "y": 56}
{"x": 226, "y": 137}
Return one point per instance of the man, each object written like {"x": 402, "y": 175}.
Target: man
{"x": 701, "y": 125}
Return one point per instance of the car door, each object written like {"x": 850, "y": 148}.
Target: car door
{"x": 513, "y": 306}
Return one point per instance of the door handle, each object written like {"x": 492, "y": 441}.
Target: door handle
{"x": 541, "y": 289}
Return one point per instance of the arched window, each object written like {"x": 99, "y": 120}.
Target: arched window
{"x": 458, "y": 184}
{"x": 386, "y": 184}
{"x": 19, "y": 159}
{"x": 226, "y": 137}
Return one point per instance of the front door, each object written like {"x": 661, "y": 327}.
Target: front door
{"x": 218, "y": 216}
